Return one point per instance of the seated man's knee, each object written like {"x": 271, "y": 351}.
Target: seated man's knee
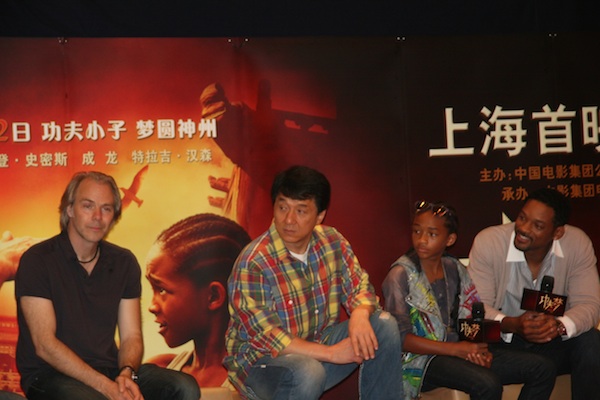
{"x": 588, "y": 342}
{"x": 386, "y": 328}
{"x": 187, "y": 386}
{"x": 167, "y": 383}
{"x": 289, "y": 376}
{"x": 305, "y": 371}
{"x": 543, "y": 369}
{"x": 585, "y": 349}
{"x": 488, "y": 386}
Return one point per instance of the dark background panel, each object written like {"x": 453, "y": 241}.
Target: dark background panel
{"x": 292, "y": 18}
{"x": 524, "y": 72}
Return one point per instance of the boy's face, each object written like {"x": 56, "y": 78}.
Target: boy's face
{"x": 295, "y": 221}
{"x": 430, "y": 236}
{"x": 179, "y": 305}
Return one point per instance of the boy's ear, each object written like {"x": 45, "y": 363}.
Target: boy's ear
{"x": 451, "y": 239}
{"x": 217, "y": 295}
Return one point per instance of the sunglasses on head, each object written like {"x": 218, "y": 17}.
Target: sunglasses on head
{"x": 438, "y": 210}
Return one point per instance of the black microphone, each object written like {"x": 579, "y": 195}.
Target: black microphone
{"x": 544, "y": 301}
{"x": 477, "y": 328}
{"x": 478, "y": 311}
{"x": 547, "y": 284}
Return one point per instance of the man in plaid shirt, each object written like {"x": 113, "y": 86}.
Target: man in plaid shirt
{"x": 286, "y": 294}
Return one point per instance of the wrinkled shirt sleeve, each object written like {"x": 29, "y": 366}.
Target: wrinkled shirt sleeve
{"x": 395, "y": 289}
{"x": 357, "y": 287}
{"x": 251, "y": 305}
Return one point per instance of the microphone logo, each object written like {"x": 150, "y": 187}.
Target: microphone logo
{"x": 469, "y": 330}
{"x": 549, "y": 304}
{"x": 478, "y": 329}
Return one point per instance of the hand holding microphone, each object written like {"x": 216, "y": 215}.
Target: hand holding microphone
{"x": 544, "y": 301}
{"x": 538, "y": 324}
{"x": 477, "y": 328}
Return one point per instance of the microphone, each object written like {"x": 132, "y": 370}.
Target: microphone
{"x": 544, "y": 301}
{"x": 547, "y": 284}
{"x": 478, "y": 311}
{"x": 477, "y": 328}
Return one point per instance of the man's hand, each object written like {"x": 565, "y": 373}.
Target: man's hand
{"x": 343, "y": 353}
{"x": 127, "y": 387}
{"x": 534, "y": 327}
{"x": 120, "y": 389}
{"x": 361, "y": 334}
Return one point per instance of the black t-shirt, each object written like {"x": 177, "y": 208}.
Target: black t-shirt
{"x": 86, "y": 307}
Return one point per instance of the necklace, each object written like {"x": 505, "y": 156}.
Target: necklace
{"x": 91, "y": 259}
{"x": 448, "y": 323}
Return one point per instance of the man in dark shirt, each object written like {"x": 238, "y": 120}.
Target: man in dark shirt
{"x": 73, "y": 291}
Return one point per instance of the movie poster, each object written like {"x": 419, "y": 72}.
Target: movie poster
{"x": 185, "y": 126}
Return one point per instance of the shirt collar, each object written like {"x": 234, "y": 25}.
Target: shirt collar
{"x": 66, "y": 245}
{"x": 516, "y": 255}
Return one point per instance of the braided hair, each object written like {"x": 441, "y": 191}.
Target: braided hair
{"x": 204, "y": 247}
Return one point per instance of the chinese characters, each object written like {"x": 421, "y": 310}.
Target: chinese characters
{"x": 505, "y": 131}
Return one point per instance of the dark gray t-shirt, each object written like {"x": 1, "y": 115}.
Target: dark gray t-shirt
{"x": 86, "y": 307}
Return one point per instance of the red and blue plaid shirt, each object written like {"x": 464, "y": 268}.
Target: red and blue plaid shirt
{"x": 274, "y": 297}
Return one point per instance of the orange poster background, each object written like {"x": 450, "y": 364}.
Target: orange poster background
{"x": 278, "y": 111}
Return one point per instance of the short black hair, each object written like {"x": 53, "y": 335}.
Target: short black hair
{"x": 302, "y": 183}
{"x": 555, "y": 200}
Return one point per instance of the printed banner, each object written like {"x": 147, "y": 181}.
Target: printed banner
{"x": 194, "y": 126}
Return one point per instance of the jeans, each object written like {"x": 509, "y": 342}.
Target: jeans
{"x": 455, "y": 373}
{"x": 536, "y": 372}
{"x": 155, "y": 384}
{"x": 10, "y": 396}
{"x": 579, "y": 356}
{"x": 298, "y": 377}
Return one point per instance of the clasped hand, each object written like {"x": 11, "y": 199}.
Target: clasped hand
{"x": 537, "y": 327}
{"x": 125, "y": 389}
{"x": 361, "y": 335}
{"x": 477, "y": 353}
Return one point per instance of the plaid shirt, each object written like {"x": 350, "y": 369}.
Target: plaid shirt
{"x": 274, "y": 297}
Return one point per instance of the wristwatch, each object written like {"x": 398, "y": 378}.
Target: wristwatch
{"x": 562, "y": 331}
{"x": 134, "y": 375}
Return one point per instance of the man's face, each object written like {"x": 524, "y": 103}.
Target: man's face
{"x": 534, "y": 227}
{"x": 295, "y": 221}
{"x": 92, "y": 212}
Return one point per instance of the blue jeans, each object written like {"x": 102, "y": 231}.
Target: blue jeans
{"x": 579, "y": 356}
{"x": 155, "y": 384}
{"x": 298, "y": 377}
